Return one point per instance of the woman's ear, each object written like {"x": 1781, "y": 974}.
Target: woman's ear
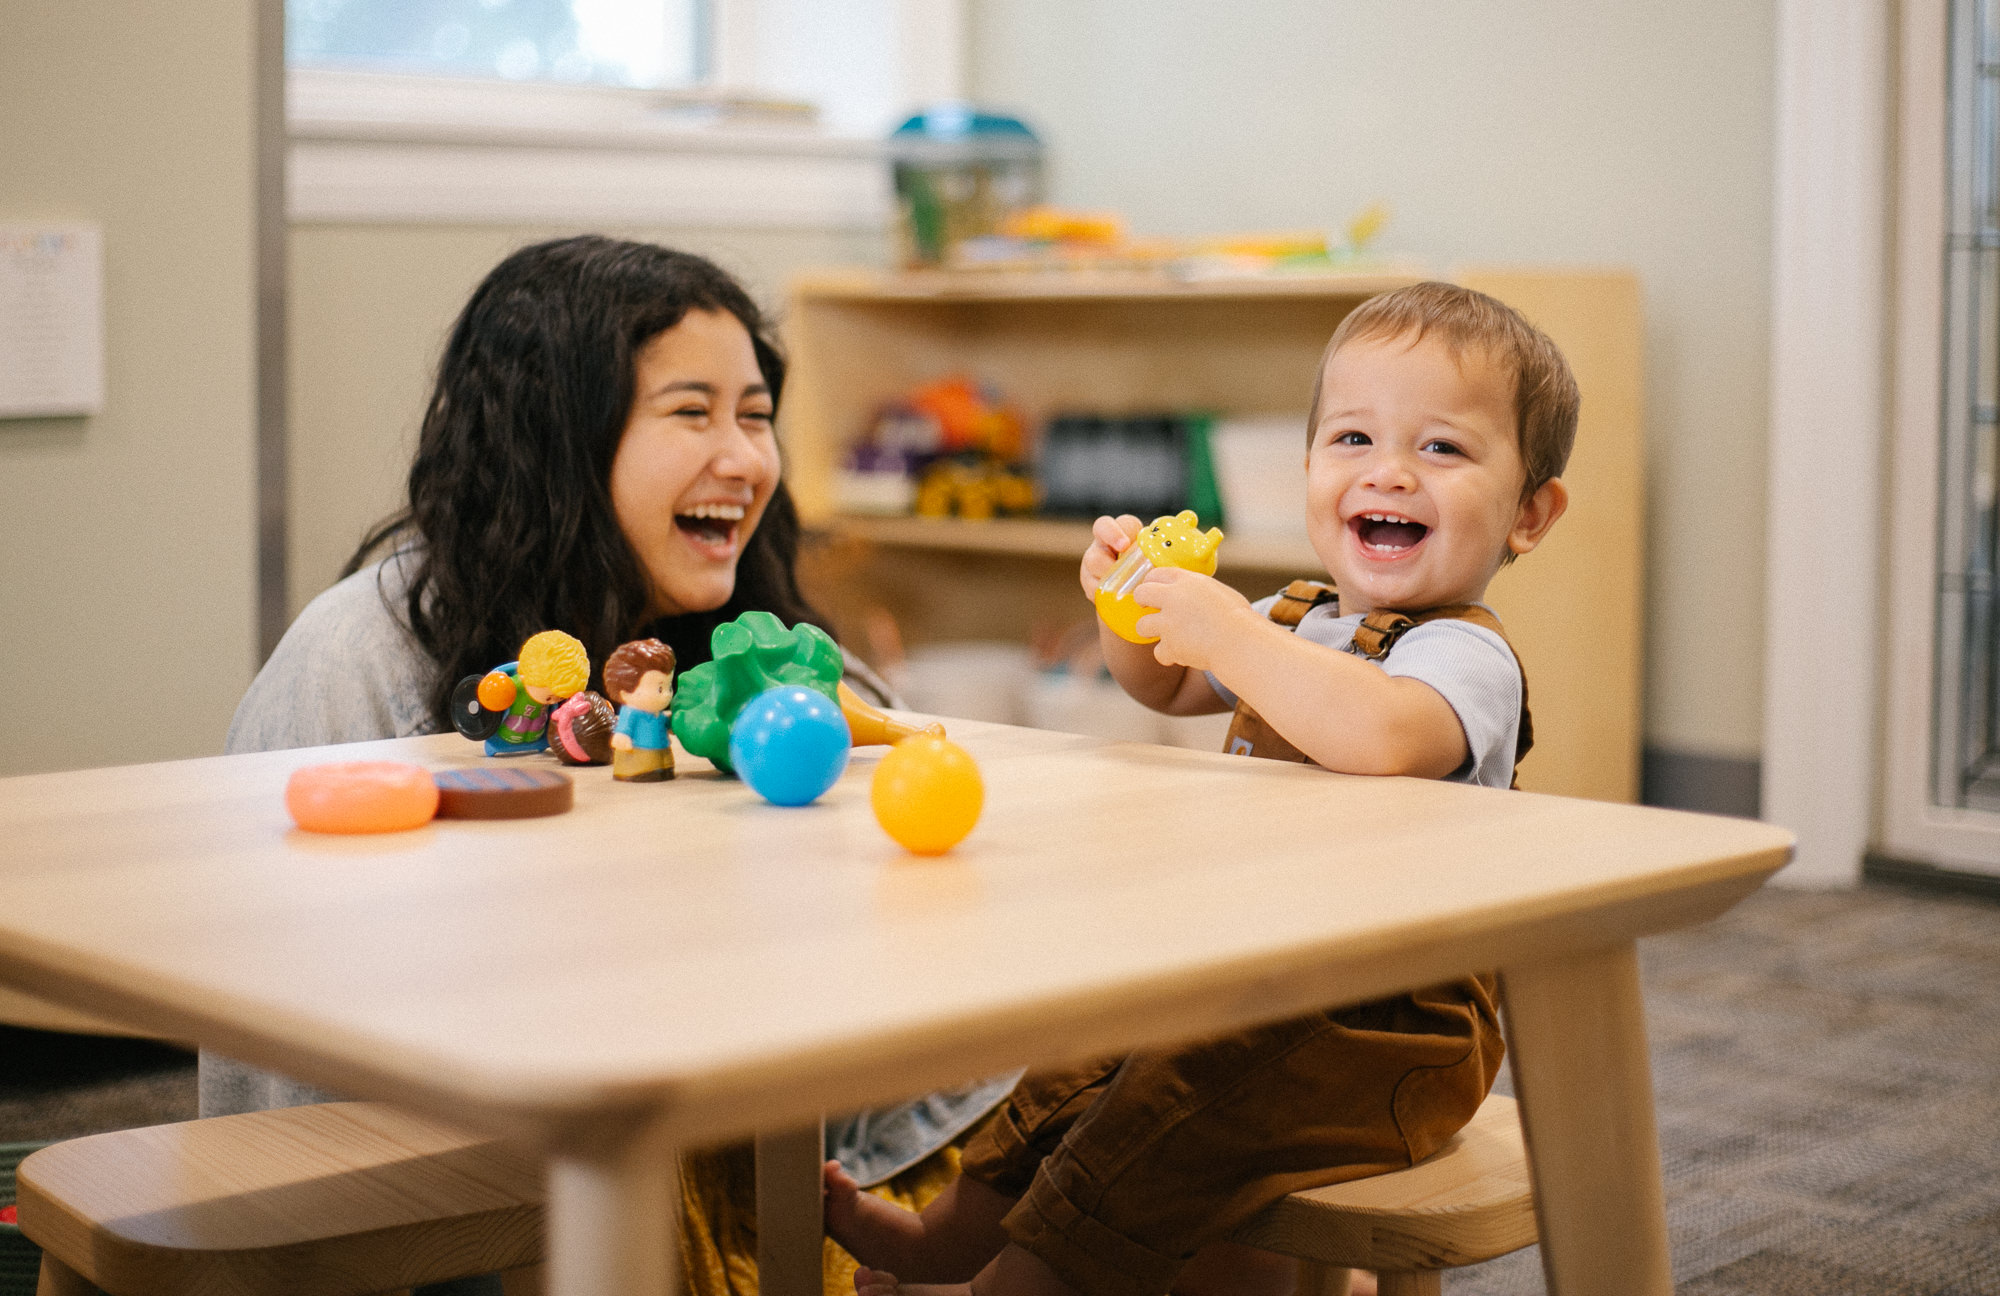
{"x": 1538, "y": 513}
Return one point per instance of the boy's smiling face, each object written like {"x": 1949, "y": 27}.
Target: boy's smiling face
{"x": 1414, "y": 475}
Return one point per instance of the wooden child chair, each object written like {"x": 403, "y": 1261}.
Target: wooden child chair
{"x": 1470, "y": 1201}
{"x": 351, "y": 1199}
{"x": 344, "y": 1199}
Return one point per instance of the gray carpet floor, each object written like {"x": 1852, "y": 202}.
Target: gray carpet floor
{"x": 1826, "y": 1068}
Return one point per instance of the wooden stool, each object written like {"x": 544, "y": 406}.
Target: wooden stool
{"x": 1467, "y": 1202}
{"x": 343, "y": 1199}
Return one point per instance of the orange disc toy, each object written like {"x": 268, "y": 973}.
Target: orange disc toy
{"x": 361, "y": 797}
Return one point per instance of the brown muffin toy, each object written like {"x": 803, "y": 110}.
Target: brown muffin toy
{"x": 580, "y": 730}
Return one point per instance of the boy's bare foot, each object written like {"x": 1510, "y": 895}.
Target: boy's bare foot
{"x": 952, "y": 1239}
{"x": 880, "y": 1282}
{"x": 1014, "y": 1272}
{"x": 874, "y": 1231}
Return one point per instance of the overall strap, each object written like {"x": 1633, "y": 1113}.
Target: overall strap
{"x": 1251, "y": 735}
{"x": 1380, "y": 629}
{"x": 1299, "y": 598}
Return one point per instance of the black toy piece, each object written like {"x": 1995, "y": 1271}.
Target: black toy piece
{"x": 468, "y": 716}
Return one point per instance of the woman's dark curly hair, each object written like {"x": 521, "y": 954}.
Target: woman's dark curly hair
{"x": 509, "y": 523}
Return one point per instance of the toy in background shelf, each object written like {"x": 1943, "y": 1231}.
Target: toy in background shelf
{"x": 1043, "y": 224}
{"x": 1361, "y": 232}
{"x": 508, "y": 707}
{"x": 1176, "y": 541}
{"x": 948, "y": 448}
{"x": 640, "y": 675}
{"x": 1145, "y": 464}
{"x": 753, "y": 653}
{"x": 969, "y": 416}
{"x": 1045, "y": 239}
{"x": 959, "y": 173}
{"x": 975, "y": 491}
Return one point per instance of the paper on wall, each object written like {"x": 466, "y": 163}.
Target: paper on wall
{"x": 51, "y": 320}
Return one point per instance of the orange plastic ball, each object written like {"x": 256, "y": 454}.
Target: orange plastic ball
{"x": 361, "y": 797}
{"x": 496, "y": 691}
{"x": 927, "y": 794}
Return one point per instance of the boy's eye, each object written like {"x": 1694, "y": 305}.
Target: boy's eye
{"x": 1351, "y": 439}
{"x": 1441, "y": 447}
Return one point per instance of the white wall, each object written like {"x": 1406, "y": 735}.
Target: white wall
{"x": 1517, "y": 131}
{"x": 127, "y": 540}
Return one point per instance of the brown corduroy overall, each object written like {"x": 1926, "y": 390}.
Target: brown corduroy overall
{"x": 1126, "y": 1167}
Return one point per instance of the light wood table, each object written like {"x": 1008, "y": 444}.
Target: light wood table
{"x": 672, "y": 965}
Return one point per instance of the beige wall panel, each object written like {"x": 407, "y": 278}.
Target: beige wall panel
{"x": 370, "y": 308}
{"x": 1540, "y": 132}
{"x": 127, "y": 539}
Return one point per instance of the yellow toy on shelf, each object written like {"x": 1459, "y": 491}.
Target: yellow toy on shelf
{"x": 1176, "y": 541}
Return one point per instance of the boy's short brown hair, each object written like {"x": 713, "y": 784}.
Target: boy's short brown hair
{"x": 1545, "y": 395}
{"x": 628, "y": 665}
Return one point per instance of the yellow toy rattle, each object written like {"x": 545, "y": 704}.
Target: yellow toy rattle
{"x": 1176, "y": 541}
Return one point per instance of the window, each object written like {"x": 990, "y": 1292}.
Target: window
{"x": 1941, "y": 776}
{"x": 1967, "y": 702}
{"x": 644, "y": 44}
{"x": 758, "y": 113}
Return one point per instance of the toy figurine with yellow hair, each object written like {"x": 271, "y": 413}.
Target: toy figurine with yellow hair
{"x": 508, "y": 707}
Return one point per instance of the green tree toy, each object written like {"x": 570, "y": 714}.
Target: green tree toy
{"x": 750, "y": 654}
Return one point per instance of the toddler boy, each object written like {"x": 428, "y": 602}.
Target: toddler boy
{"x": 1441, "y": 423}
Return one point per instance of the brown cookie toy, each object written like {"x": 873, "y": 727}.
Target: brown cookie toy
{"x": 580, "y": 730}
{"x": 503, "y": 792}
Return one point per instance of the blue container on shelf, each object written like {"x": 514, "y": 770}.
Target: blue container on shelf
{"x": 959, "y": 174}
{"x": 20, "y": 1259}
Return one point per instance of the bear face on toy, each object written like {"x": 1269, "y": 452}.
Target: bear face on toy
{"x": 1179, "y": 541}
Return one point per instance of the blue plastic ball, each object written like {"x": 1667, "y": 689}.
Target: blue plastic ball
{"x": 789, "y": 744}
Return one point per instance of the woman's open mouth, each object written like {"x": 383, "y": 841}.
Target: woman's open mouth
{"x": 1385, "y": 535}
{"x": 712, "y": 528}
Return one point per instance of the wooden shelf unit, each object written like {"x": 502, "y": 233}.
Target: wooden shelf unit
{"x": 1046, "y": 538}
{"x": 1120, "y": 343}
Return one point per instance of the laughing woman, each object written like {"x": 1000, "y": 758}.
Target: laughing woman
{"x": 598, "y": 457}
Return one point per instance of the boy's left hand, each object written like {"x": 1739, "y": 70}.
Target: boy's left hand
{"x": 1195, "y": 616}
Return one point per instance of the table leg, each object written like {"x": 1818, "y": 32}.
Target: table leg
{"x": 1577, "y": 1031}
{"x": 790, "y": 1240}
{"x": 614, "y": 1221}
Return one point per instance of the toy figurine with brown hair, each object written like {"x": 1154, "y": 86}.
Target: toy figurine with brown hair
{"x": 640, "y": 678}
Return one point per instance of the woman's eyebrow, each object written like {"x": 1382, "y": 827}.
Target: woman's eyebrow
{"x": 686, "y": 384}
{"x": 705, "y": 388}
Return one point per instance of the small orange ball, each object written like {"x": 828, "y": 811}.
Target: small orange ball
{"x": 496, "y": 691}
{"x": 927, "y": 794}
{"x": 361, "y": 797}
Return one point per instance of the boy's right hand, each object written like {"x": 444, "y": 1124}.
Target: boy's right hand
{"x": 1109, "y": 537}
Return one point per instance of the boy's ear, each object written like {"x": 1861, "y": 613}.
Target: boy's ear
{"x": 1538, "y": 513}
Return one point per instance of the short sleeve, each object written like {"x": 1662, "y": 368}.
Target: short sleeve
{"x": 1475, "y": 671}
